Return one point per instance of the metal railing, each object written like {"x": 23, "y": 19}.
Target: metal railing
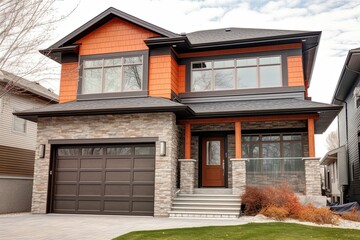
{"x": 262, "y": 172}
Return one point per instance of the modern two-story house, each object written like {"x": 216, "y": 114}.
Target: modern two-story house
{"x": 18, "y": 139}
{"x": 342, "y": 169}
{"x": 144, "y": 111}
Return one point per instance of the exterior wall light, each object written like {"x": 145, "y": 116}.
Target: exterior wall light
{"x": 162, "y": 148}
{"x": 42, "y": 151}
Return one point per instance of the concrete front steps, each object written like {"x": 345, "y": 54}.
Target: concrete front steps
{"x": 206, "y": 203}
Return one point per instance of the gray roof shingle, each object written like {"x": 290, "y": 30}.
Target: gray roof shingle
{"x": 223, "y": 35}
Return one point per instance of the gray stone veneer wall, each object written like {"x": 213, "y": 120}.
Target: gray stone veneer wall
{"x": 161, "y": 125}
{"x": 312, "y": 176}
{"x": 239, "y": 176}
{"x": 187, "y": 170}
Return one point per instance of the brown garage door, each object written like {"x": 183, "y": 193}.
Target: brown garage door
{"x": 98, "y": 179}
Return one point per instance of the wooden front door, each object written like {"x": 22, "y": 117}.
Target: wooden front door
{"x": 213, "y": 162}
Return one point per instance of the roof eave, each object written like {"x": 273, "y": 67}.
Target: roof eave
{"x": 336, "y": 99}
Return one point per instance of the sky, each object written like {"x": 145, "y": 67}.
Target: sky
{"x": 339, "y": 22}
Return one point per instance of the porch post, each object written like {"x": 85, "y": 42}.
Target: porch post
{"x": 238, "y": 165}
{"x": 187, "y": 141}
{"x": 238, "y": 140}
{"x": 311, "y": 137}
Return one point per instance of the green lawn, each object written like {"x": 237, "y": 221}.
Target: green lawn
{"x": 248, "y": 231}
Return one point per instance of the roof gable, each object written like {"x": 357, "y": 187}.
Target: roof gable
{"x": 101, "y": 19}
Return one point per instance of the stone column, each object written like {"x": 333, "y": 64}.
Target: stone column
{"x": 187, "y": 175}
{"x": 238, "y": 175}
{"x": 312, "y": 176}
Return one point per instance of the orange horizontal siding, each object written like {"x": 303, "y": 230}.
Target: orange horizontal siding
{"x": 115, "y": 36}
{"x": 174, "y": 76}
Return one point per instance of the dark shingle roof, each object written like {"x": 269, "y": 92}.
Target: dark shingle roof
{"x": 27, "y": 85}
{"x": 223, "y": 35}
{"x": 104, "y": 106}
{"x": 327, "y": 112}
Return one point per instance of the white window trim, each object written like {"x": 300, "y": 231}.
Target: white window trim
{"x": 13, "y": 124}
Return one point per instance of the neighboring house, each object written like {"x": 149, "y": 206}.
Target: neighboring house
{"x": 18, "y": 140}
{"x": 143, "y": 111}
{"x": 342, "y": 169}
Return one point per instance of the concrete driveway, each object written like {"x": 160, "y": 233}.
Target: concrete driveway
{"x": 64, "y": 227}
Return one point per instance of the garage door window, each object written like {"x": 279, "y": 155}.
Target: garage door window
{"x": 92, "y": 151}
{"x": 122, "y": 151}
{"x": 144, "y": 150}
{"x": 68, "y": 152}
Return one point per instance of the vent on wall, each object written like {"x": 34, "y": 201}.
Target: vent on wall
{"x": 357, "y": 96}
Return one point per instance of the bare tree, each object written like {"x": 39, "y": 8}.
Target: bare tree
{"x": 25, "y": 26}
{"x": 332, "y": 141}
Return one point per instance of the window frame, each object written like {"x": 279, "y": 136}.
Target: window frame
{"x": 281, "y": 142}
{"x": 235, "y": 68}
{"x": 14, "y": 123}
{"x": 144, "y": 84}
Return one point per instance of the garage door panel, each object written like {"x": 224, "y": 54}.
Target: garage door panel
{"x": 90, "y": 190}
{"x": 100, "y": 179}
{"x": 144, "y": 163}
{"x": 117, "y": 190}
{"x": 91, "y": 176}
{"x": 65, "y": 205}
{"x": 91, "y": 163}
{"x": 66, "y": 189}
{"x": 144, "y": 176}
{"x": 89, "y": 205}
{"x": 62, "y": 176}
{"x": 70, "y": 163}
{"x": 143, "y": 190}
{"x": 117, "y": 206}
{"x": 118, "y": 176}
{"x": 142, "y": 206}
{"x": 118, "y": 163}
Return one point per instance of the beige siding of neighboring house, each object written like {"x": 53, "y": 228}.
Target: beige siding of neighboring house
{"x": 9, "y": 137}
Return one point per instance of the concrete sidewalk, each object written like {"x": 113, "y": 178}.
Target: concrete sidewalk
{"x": 64, "y": 227}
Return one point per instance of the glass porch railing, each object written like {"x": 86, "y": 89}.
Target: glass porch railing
{"x": 262, "y": 172}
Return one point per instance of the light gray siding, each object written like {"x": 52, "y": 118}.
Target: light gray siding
{"x": 8, "y": 137}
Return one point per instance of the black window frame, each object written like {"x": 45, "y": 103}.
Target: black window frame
{"x": 235, "y": 69}
{"x": 145, "y": 82}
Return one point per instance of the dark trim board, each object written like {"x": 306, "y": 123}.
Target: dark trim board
{"x": 103, "y": 140}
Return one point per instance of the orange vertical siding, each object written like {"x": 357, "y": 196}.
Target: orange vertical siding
{"x": 295, "y": 71}
{"x": 68, "y": 83}
{"x": 160, "y": 76}
{"x": 115, "y": 36}
{"x": 174, "y": 76}
{"x": 181, "y": 79}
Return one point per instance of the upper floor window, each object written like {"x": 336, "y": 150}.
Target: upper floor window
{"x": 19, "y": 125}
{"x": 108, "y": 75}
{"x": 242, "y": 73}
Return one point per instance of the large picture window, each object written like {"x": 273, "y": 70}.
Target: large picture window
{"x": 257, "y": 72}
{"x": 283, "y": 148}
{"x": 108, "y": 75}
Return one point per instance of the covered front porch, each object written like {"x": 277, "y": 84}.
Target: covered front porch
{"x": 249, "y": 151}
